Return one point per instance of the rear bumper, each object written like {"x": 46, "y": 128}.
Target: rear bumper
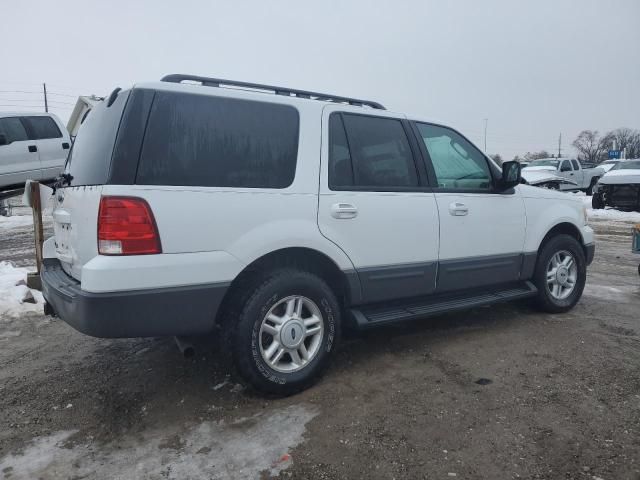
{"x": 142, "y": 313}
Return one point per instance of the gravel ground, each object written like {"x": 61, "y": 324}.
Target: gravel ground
{"x": 499, "y": 392}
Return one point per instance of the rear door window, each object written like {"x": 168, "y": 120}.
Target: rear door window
{"x": 13, "y": 130}
{"x": 371, "y": 153}
{"x": 43, "y": 128}
{"x": 198, "y": 140}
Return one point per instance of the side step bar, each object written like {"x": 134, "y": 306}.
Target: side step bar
{"x": 368, "y": 316}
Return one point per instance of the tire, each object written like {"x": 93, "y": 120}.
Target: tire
{"x": 252, "y": 333}
{"x": 597, "y": 202}
{"x": 564, "y": 246}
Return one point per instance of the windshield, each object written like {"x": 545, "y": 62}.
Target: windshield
{"x": 544, "y": 163}
{"x": 628, "y": 165}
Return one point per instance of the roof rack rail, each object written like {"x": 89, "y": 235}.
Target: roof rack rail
{"x": 218, "y": 82}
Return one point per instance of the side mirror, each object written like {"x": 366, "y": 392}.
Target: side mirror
{"x": 3, "y": 139}
{"x": 510, "y": 175}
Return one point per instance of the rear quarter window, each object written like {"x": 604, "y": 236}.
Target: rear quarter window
{"x": 197, "y": 140}
{"x": 90, "y": 157}
{"x": 43, "y": 128}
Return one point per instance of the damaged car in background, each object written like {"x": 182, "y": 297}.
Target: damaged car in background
{"x": 619, "y": 187}
{"x": 562, "y": 174}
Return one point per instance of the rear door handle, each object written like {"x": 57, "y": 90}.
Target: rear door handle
{"x": 33, "y": 148}
{"x": 458, "y": 209}
{"x": 343, "y": 211}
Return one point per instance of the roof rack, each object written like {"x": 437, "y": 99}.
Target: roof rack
{"x": 288, "y": 92}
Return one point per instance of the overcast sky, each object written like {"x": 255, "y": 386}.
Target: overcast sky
{"x": 533, "y": 69}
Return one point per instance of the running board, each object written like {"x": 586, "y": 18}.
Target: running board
{"x": 372, "y": 315}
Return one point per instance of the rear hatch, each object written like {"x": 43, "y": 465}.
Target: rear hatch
{"x": 87, "y": 169}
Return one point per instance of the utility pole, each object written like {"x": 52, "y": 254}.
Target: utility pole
{"x": 559, "y": 144}
{"x": 46, "y": 105}
{"x": 486, "y": 121}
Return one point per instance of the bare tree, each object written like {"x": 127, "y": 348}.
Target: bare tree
{"x": 529, "y": 156}
{"x": 590, "y": 146}
{"x": 497, "y": 158}
{"x": 624, "y": 138}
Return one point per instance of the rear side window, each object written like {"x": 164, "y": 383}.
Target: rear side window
{"x": 565, "y": 166}
{"x": 43, "y": 128}
{"x": 575, "y": 164}
{"x": 13, "y": 130}
{"x": 196, "y": 140}
{"x": 369, "y": 153}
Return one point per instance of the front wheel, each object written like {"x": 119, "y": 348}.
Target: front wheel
{"x": 560, "y": 274}
{"x": 286, "y": 332}
{"x": 597, "y": 202}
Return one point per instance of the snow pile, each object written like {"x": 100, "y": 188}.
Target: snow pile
{"x": 610, "y": 213}
{"x": 16, "y": 221}
{"x": 15, "y": 296}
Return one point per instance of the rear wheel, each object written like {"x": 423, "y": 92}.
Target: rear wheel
{"x": 560, "y": 274}
{"x": 286, "y": 332}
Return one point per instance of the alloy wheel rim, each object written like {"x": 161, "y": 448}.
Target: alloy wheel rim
{"x": 562, "y": 274}
{"x": 291, "y": 333}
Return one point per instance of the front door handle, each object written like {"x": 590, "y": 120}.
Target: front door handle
{"x": 65, "y": 146}
{"x": 343, "y": 211}
{"x": 458, "y": 209}
{"x": 33, "y": 148}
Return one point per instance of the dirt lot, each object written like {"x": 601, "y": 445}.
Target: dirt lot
{"x": 500, "y": 392}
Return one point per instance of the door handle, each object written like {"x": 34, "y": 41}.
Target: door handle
{"x": 571, "y": 173}
{"x": 458, "y": 209}
{"x": 343, "y": 211}
{"x": 65, "y": 146}
{"x": 33, "y": 148}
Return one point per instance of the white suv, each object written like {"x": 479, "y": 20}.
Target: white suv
{"x": 280, "y": 216}
{"x": 32, "y": 146}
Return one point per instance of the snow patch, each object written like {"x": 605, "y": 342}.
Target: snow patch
{"x": 609, "y": 213}
{"x": 239, "y": 450}
{"x": 13, "y": 291}
{"x": 16, "y": 221}
{"x": 620, "y": 294}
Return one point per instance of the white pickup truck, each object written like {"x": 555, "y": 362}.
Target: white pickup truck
{"x": 562, "y": 174}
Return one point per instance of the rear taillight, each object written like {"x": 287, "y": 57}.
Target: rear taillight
{"x": 126, "y": 227}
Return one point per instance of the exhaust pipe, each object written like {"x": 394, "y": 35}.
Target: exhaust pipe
{"x": 185, "y": 346}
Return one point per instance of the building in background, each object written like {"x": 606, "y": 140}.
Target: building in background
{"x": 84, "y": 104}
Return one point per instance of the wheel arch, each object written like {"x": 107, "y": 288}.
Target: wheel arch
{"x": 563, "y": 228}
{"x": 345, "y": 284}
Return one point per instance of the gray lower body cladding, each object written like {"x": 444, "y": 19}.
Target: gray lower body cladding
{"x": 143, "y": 313}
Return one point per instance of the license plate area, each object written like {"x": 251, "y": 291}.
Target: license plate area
{"x": 62, "y": 230}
